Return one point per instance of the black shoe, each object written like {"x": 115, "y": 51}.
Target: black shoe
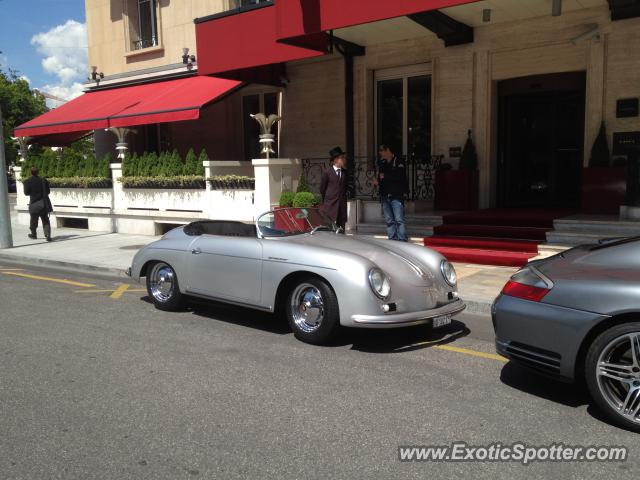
{"x": 49, "y": 239}
{"x": 32, "y": 236}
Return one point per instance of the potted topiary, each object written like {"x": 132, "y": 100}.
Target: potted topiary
{"x": 603, "y": 186}
{"x": 458, "y": 189}
{"x": 291, "y": 219}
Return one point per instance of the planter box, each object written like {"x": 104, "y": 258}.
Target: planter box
{"x": 82, "y": 197}
{"x": 288, "y": 222}
{"x": 603, "y": 189}
{"x": 456, "y": 190}
{"x": 175, "y": 200}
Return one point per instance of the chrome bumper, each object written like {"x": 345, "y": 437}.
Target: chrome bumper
{"x": 392, "y": 320}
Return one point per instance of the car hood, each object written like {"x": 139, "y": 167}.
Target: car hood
{"x": 392, "y": 257}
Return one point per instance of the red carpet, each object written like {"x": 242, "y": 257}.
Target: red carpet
{"x": 505, "y": 237}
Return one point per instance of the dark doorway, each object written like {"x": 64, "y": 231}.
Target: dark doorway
{"x": 541, "y": 136}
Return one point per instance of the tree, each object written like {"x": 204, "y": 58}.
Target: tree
{"x": 19, "y": 104}
{"x": 469, "y": 158}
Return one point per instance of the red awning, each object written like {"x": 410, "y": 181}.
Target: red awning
{"x": 243, "y": 46}
{"x": 298, "y": 22}
{"x": 169, "y": 101}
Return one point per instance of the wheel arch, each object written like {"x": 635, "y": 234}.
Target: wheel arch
{"x": 596, "y": 330}
{"x": 289, "y": 280}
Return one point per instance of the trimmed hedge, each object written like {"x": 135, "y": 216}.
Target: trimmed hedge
{"x": 232, "y": 182}
{"x": 182, "y": 182}
{"x": 70, "y": 164}
{"x": 80, "y": 182}
{"x": 167, "y": 164}
{"x": 305, "y": 200}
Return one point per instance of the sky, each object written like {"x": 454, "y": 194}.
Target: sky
{"x": 46, "y": 42}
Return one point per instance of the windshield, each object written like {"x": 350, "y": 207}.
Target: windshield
{"x": 284, "y": 222}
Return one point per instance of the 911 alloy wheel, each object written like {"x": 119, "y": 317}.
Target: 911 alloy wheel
{"x": 613, "y": 374}
{"x": 162, "y": 287}
{"x": 312, "y": 311}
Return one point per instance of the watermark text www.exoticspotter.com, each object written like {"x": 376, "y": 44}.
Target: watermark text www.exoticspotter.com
{"x": 516, "y": 452}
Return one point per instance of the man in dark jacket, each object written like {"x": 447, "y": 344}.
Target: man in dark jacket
{"x": 392, "y": 179}
{"x": 38, "y": 190}
{"x": 333, "y": 187}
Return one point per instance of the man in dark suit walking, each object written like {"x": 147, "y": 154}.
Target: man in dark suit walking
{"x": 38, "y": 190}
{"x": 333, "y": 187}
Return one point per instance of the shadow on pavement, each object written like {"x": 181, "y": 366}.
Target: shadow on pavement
{"x": 569, "y": 394}
{"x": 395, "y": 340}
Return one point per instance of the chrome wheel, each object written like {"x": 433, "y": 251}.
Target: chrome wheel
{"x": 162, "y": 282}
{"x": 307, "y": 308}
{"x": 618, "y": 375}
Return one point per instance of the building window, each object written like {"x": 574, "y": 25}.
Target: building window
{"x": 143, "y": 23}
{"x": 266, "y": 103}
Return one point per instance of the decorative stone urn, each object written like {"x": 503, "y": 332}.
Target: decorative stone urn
{"x": 267, "y": 139}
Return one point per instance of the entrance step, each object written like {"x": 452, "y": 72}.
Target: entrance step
{"x": 413, "y": 229}
{"x": 521, "y": 246}
{"x": 485, "y": 257}
{"x": 492, "y": 231}
{"x": 576, "y": 231}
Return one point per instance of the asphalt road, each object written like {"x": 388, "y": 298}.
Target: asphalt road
{"x": 96, "y": 383}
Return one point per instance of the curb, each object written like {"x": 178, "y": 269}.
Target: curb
{"x": 59, "y": 264}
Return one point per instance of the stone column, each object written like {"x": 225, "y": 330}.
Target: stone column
{"x": 274, "y": 176}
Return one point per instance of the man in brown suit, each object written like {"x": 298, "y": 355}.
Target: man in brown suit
{"x": 333, "y": 187}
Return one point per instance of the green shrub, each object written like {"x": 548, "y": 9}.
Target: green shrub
{"x": 304, "y": 200}
{"x": 232, "y": 182}
{"x": 286, "y": 199}
{"x": 80, "y": 182}
{"x": 303, "y": 185}
{"x": 182, "y": 181}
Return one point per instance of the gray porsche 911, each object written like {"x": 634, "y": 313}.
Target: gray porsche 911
{"x": 293, "y": 260}
{"x": 576, "y": 316}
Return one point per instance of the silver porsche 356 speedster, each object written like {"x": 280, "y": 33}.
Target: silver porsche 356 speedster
{"x": 291, "y": 260}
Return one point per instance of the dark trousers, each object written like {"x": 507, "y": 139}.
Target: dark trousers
{"x": 46, "y": 226}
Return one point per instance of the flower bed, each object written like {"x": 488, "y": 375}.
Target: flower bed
{"x": 232, "y": 182}
{"x": 80, "y": 182}
{"x": 178, "y": 182}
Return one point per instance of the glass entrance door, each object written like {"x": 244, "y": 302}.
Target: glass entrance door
{"x": 403, "y": 121}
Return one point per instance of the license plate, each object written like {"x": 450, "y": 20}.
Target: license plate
{"x": 441, "y": 321}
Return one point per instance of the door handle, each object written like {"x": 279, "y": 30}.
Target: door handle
{"x": 196, "y": 251}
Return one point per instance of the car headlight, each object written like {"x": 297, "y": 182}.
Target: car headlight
{"x": 449, "y": 273}
{"x": 380, "y": 283}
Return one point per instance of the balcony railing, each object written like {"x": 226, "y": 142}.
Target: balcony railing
{"x": 237, "y": 6}
{"x": 420, "y": 176}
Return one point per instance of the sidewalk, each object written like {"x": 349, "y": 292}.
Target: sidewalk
{"x": 111, "y": 253}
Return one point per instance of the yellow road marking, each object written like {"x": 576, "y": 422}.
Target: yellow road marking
{"x": 49, "y": 279}
{"x": 475, "y": 353}
{"x": 117, "y": 293}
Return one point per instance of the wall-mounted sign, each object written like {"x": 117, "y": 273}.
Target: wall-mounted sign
{"x": 455, "y": 152}
{"x": 627, "y": 107}
{"x": 625, "y": 143}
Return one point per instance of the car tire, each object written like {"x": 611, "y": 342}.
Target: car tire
{"x": 312, "y": 311}
{"x": 613, "y": 377}
{"x": 163, "y": 287}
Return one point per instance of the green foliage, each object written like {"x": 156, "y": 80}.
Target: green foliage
{"x": 304, "y": 200}
{"x": 202, "y": 158}
{"x": 600, "y": 150}
{"x": 76, "y": 162}
{"x": 286, "y": 199}
{"x": 19, "y": 105}
{"x": 80, "y": 182}
{"x": 232, "y": 182}
{"x": 469, "y": 158}
{"x": 303, "y": 185}
{"x": 181, "y": 181}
